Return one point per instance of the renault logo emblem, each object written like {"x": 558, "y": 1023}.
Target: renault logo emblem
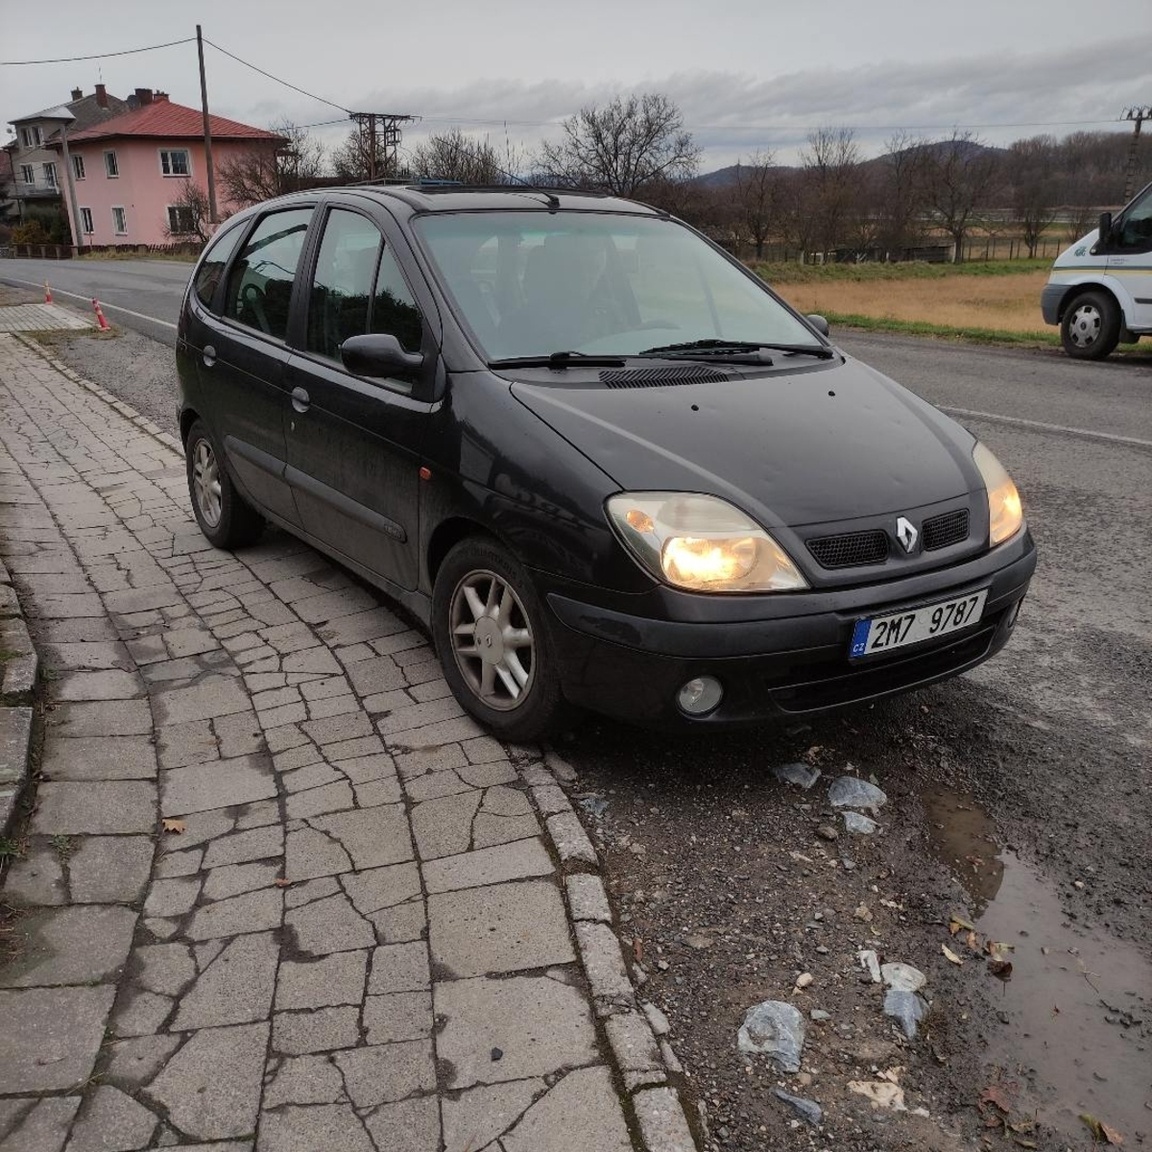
{"x": 906, "y": 534}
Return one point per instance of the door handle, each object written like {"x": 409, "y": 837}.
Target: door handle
{"x": 300, "y": 400}
{"x": 209, "y": 355}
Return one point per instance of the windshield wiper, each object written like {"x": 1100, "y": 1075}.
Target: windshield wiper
{"x": 558, "y": 360}
{"x": 729, "y": 349}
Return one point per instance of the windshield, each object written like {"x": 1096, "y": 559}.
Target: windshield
{"x": 534, "y": 283}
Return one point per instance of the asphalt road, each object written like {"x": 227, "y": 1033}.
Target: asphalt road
{"x": 1046, "y": 748}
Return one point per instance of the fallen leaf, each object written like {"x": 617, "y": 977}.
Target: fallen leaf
{"x": 1102, "y": 1133}
{"x": 638, "y": 950}
{"x": 997, "y": 1094}
{"x": 282, "y": 882}
{"x": 998, "y": 950}
{"x": 813, "y": 752}
{"x": 973, "y": 941}
{"x": 955, "y": 923}
{"x": 950, "y": 955}
{"x": 1021, "y": 1142}
{"x": 170, "y": 825}
{"x": 1023, "y": 1126}
{"x": 882, "y": 1093}
{"x": 1001, "y": 969}
{"x": 862, "y": 912}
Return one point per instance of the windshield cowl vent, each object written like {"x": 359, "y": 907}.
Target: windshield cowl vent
{"x": 661, "y": 377}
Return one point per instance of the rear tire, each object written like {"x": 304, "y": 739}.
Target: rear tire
{"x": 225, "y": 518}
{"x": 1090, "y": 329}
{"x": 492, "y": 638}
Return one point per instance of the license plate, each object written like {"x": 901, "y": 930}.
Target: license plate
{"x": 883, "y": 633}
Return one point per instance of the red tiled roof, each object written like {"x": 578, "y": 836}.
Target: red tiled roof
{"x": 171, "y": 121}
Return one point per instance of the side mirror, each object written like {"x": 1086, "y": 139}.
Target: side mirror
{"x": 1104, "y": 234}
{"x": 376, "y": 355}
{"x": 818, "y": 322}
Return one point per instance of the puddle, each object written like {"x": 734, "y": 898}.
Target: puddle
{"x": 1079, "y": 1021}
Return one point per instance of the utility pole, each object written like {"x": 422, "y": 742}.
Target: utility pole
{"x": 1138, "y": 114}
{"x": 207, "y": 130}
{"x": 380, "y": 135}
{"x": 77, "y": 223}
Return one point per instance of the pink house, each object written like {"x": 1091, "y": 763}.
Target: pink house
{"x": 129, "y": 172}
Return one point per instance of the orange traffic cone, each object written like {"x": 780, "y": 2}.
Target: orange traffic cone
{"x": 99, "y": 315}
{"x": 47, "y": 293}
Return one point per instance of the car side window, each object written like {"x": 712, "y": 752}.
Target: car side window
{"x": 260, "y": 285}
{"x": 1135, "y": 232}
{"x": 341, "y": 290}
{"x": 394, "y": 309}
{"x": 212, "y": 266}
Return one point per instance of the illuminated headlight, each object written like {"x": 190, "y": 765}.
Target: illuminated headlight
{"x": 1005, "y": 512}
{"x": 701, "y": 543}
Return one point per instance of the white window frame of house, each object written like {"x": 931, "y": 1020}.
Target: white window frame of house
{"x": 50, "y": 176}
{"x": 111, "y": 165}
{"x": 28, "y": 173}
{"x": 119, "y": 226}
{"x": 78, "y": 167}
{"x": 173, "y": 220}
{"x": 86, "y": 223}
{"x": 32, "y": 136}
{"x": 167, "y": 168}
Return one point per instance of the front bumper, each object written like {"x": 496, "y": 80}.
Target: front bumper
{"x": 632, "y": 667}
{"x": 1051, "y": 296}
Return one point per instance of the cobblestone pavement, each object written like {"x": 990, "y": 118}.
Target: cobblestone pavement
{"x": 278, "y": 892}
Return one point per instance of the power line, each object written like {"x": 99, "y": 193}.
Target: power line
{"x": 98, "y": 56}
{"x": 310, "y": 95}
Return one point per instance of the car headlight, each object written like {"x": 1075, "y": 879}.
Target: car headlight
{"x": 1005, "y": 512}
{"x": 701, "y": 543}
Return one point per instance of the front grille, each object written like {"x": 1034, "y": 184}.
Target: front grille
{"x": 948, "y": 528}
{"x": 850, "y": 549}
{"x": 660, "y": 377}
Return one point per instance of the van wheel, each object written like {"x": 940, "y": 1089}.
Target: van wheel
{"x": 225, "y": 518}
{"x": 1090, "y": 329}
{"x": 493, "y": 641}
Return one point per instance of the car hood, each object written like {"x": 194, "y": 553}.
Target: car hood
{"x": 827, "y": 444}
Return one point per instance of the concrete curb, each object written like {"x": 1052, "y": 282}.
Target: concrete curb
{"x": 19, "y": 666}
{"x": 642, "y": 1054}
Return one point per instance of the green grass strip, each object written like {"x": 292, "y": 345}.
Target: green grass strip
{"x": 944, "y": 331}
{"x": 778, "y": 273}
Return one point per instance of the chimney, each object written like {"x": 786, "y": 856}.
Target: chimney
{"x": 77, "y": 93}
{"x": 143, "y": 96}
{"x": 101, "y": 95}
{"x": 160, "y": 97}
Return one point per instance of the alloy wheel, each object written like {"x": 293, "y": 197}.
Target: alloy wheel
{"x": 206, "y": 483}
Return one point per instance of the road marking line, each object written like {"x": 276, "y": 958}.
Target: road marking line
{"x": 1041, "y": 426}
{"x": 103, "y": 303}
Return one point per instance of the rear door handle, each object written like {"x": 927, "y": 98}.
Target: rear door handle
{"x": 209, "y": 355}
{"x": 300, "y": 400}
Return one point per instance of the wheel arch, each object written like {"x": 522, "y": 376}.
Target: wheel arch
{"x": 1074, "y": 290}
{"x": 447, "y": 534}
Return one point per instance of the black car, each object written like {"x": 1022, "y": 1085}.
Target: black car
{"x": 596, "y": 455}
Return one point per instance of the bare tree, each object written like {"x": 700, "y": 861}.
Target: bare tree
{"x": 622, "y": 147}
{"x": 797, "y": 222}
{"x": 960, "y": 176}
{"x": 900, "y": 194}
{"x": 259, "y": 175}
{"x": 188, "y": 217}
{"x": 353, "y": 160}
{"x": 832, "y": 162}
{"x": 1031, "y": 172}
{"x": 452, "y": 155}
{"x": 756, "y": 196}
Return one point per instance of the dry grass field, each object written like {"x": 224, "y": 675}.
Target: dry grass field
{"x": 1007, "y": 303}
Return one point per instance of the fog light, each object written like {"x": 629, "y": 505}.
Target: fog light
{"x": 700, "y": 695}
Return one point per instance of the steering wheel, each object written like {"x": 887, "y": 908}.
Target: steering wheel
{"x": 252, "y": 297}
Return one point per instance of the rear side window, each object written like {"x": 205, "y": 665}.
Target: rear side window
{"x": 260, "y": 286}
{"x": 212, "y": 266}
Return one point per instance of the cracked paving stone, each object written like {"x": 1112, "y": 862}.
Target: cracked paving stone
{"x": 257, "y": 844}
{"x": 107, "y": 684}
{"x": 51, "y": 1036}
{"x": 443, "y": 827}
{"x": 581, "y": 1111}
{"x": 234, "y": 879}
{"x": 335, "y": 979}
{"x": 111, "y": 1121}
{"x": 100, "y": 758}
{"x": 172, "y": 897}
{"x": 135, "y": 1061}
{"x": 215, "y": 695}
{"x": 310, "y": 776}
{"x": 434, "y": 785}
{"x": 182, "y": 744}
{"x": 488, "y": 830}
{"x": 505, "y": 928}
{"x": 475, "y": 1118}
{"x": 297, "y": 895}
{"x": 407, "y": 1126}
{"x": 319, "y": 1128}
{"x": 218, "y": 784}
{"x": 164, "y": 968}
{"x": 387, "y": 1072}
{"x": 384, "y": 887}
{"x": 399, "y": 1016}
{"x": 335, "y": 797}
{"x": 303, "y": 1080}
{"x": 37, "y": 878}
{"x": 329, "y": 925}
{"x": 399, "y": 968}
{"x": 403, "y": 923}
{"x": 235, "y": 988}
{"x": 83, "y": 944}
{"x": 311, "y": 854}
{"x": 371, "y": 837}
{"x": 515, "y": 861}
{"x": 251, "y": 912}
{"x": 315, "y": 1030}
{"x": 70, "y": 808}
{"x": 43, "y": 1126}
{"x": 140, "y": 1013}
{"x": 539, "y": 1024}
{"x": 211, "y": 1087}
{"x": 129, "y": 718}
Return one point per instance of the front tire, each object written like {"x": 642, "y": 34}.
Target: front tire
{"x": 1090, "y": 328}
{"x": 225, "y": 518}
{"x": 493, "y": 642}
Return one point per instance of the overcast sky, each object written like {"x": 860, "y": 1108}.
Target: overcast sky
{"x": 747, "y": 74}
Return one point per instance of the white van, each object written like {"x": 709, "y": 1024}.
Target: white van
{"x": 1100, "y": 289}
